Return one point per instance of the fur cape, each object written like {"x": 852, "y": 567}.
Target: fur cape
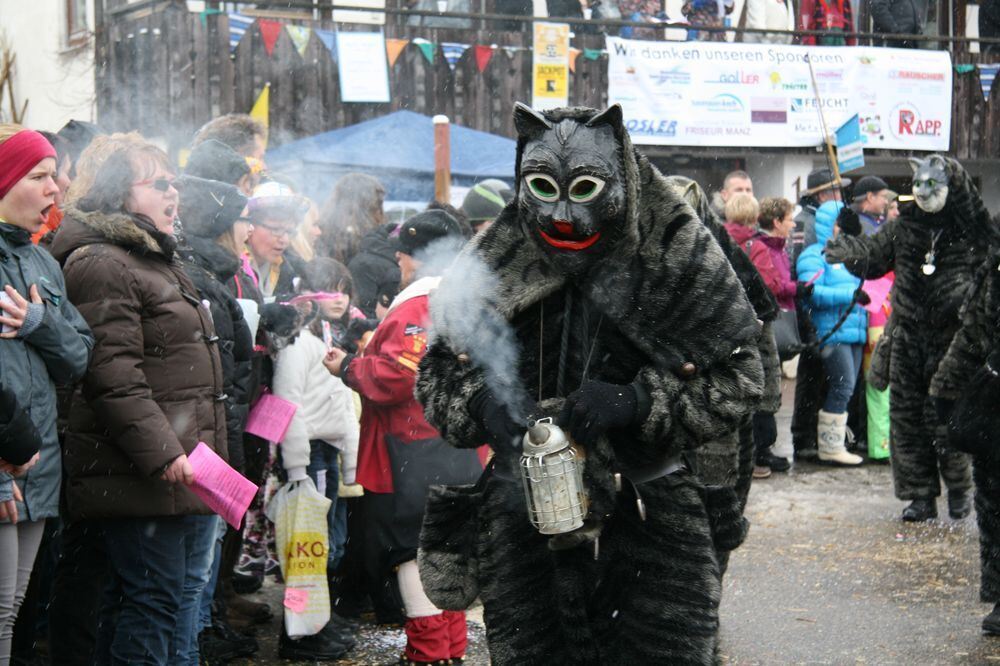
{"x": 669, "y": 289}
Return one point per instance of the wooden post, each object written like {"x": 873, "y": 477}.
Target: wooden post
{"x": 442, "y": 159}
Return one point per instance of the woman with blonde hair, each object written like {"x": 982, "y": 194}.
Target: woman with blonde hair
{"x": 44, "y": 341}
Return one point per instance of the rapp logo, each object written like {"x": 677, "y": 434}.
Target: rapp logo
{"x": 906, "y": 121}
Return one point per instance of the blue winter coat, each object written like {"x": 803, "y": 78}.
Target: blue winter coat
{"x": 834, "y": 288}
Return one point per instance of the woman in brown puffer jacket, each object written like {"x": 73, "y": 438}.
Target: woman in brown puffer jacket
{"x": 152, "y": 393}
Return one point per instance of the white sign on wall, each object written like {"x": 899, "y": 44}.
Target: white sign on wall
{"x": 718, "y": 94}
{"x": 362, "y": 67}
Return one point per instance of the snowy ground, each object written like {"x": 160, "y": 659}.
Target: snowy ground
{"x": 828, "y": 575}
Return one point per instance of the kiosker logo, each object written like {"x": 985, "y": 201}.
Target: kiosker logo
{"x": 906, "y": 121}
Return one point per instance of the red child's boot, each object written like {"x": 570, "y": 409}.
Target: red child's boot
{"x": 428, "y": 640}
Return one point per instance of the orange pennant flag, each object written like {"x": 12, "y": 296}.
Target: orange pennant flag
{"x": 573, "y": 53}
{"x": 393, "y": 47}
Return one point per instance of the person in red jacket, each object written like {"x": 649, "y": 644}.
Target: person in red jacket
{"x": 834, "y": 16}
{"x": 384, "y": 376}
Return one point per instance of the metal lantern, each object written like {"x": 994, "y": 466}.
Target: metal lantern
{"x": 552, "y": 472}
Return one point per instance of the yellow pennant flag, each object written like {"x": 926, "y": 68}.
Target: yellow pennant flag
{"x": 260, "y": 107}
{"x": 393, "y": 47}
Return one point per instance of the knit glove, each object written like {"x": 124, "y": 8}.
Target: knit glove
{"x": 862, "y": 297}
{"x": 503, "y": 433}
{"x": 596, "y": 407}
{"x": 849, "y": 222}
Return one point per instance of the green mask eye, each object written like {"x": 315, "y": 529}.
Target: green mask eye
{"x": 543, "y": 187}
{"x": 931, "y": 182}
{"x": 585, "y": 188}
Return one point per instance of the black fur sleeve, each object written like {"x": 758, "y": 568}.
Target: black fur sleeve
{"x": 445, "y": 384}
{"x": 867, "y": 257}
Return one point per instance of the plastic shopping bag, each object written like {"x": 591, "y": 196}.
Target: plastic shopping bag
{"x": 300, "y": 526}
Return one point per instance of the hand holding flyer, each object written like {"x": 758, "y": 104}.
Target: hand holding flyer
{"x": 224, "y": 490}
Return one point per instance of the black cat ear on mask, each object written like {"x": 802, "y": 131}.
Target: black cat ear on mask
{"x": 915, "y": 163}
{"x": 612, "y": 116}
{"x": 529, "y": 122}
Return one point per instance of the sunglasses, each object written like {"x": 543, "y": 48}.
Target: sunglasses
{"x": 277, "y": 232}
{"x": 159, "y": 184}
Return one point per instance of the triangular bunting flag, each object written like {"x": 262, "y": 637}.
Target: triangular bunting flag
{"x": 393, "y": 47}
{"x": 238, "y": 26}
{"x": 427, "y": 48}
{"x": 510, "y": 50}
{"x": 300, "y": 37}
{"x": 573, "y": 53}
{"x": 453, "y": 52}
{"x": 205, "y": 13}
{"x": 261, "y": 107}
{"x": 592, "y": 54}
{"x": 483, "y": 55}
{"x": 329, "y": 39}
{"x": 986, "y": 75}
{"x": 269, "y": 31}
{"x": 965, "y": 69}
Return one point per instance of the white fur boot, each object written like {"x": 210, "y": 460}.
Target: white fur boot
{"x": 830, "y": 439}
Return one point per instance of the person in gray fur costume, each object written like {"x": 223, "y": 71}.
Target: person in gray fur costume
{"x": 601, "y": 299}
{"x": 935, "y": 247}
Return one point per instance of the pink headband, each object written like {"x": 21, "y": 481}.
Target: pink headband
{"x": 20, "y": 154}
{"x": 315, "y": 296}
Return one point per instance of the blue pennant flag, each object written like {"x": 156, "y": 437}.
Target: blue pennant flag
{"x": 238, "y": 25}
{"x": 986, "y": 75}
{"x": 329, "y": 39}
{"x": 453, "y": 52}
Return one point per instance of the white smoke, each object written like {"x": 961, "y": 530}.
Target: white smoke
{"x": 465, "y": 314}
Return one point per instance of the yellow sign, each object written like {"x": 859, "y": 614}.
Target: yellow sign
{"x": 550, "y": 66}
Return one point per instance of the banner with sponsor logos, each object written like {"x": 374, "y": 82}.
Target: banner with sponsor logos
{"x": 717, "y": 94}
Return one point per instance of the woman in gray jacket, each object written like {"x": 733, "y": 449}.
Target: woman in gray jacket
{"x": 44, "y": 341}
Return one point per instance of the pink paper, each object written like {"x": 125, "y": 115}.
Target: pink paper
{"x": 296, "y": 599}
{"x": 270, "y": 418}
{"x": 223, "y": 489}
{"x": 878, "y": 290}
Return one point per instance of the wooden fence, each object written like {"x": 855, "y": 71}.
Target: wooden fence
{"x": 170, "y": 71}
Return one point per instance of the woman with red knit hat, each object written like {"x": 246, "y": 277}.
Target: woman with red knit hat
{"x": 44, "y": 341}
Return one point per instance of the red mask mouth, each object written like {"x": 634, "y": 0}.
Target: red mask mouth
{"x": 564, "y": 239}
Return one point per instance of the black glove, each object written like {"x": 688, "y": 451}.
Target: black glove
{"x": 596, "y": 407}
{"x": 503, "y": 433}
{"x": 849, "y": 222}
{"x": 862, "y": 297}
{"x": 803, "y": 291}
{"x": 356, "y": 329}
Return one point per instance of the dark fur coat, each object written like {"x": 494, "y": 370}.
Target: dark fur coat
{"x": 925, "y": 317}
{"x": 663, "y": 309}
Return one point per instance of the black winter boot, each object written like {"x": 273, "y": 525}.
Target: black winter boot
{"x": 920, "y": 510}
{"x": 959, "y": 504}
{"x": 991, "y": 623}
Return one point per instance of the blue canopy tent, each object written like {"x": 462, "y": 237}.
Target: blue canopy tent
{"x": 398, "y": 149}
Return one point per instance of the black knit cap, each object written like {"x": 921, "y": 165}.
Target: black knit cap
{"x": 208, "y": 208}
{"x": 869, "y": 184}
{"x": 215, "y": 160}
{"x": 424, "y": 228}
